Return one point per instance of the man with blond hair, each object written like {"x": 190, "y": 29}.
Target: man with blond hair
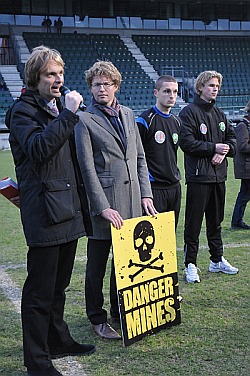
{"x": 206, "y": 139}
{"x": 113, "y": 165}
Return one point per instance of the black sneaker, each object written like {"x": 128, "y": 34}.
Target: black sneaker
{"x": 51, "y": 371}
{"x": 240, "y": 226}
{"x": 76, "y": 349}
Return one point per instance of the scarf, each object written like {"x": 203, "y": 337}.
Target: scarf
{"x": 112, "y": 113}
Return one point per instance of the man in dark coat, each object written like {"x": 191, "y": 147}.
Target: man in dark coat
{"x": 207, "y": 139}
{"x": 53, "y": 206}
{"x": 242, "y": 170}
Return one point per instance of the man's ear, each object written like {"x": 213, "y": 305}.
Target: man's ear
{"x": 199, "y": 88}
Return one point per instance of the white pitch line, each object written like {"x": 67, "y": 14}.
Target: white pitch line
{"x": 68, "y": 365}
{"x": 234, "y": 245}
{"x": 11, "y": 291}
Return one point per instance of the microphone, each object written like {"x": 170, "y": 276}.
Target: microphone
{"x": 65, "y": 90}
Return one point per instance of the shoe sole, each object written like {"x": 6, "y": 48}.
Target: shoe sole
{"x": 196, "y": 281}
{"x": 58, "y": 356}
{"x": 108, "y": 337}
{"x": 222, "y": 271}
{"x": 239, "y": 228}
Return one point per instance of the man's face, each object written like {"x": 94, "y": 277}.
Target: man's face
{"x": 103, "y": 90}
{"x": 51, "y": 79}
{"x": 210, "y": 90}
{"x": 166, "y": 96}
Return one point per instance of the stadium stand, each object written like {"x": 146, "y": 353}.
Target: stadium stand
{"x": 6, "y": 99}
{"x": 189, "y": 54}
{"x": 227, "y": 55}
{"x": 80, "y": 51}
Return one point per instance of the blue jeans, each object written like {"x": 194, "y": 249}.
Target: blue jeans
{"x": 241, "y": 202}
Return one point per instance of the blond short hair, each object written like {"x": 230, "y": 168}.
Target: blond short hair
{"x": 103, "y": 68}
{"x": 206, "y": 76}
{"x": 37, "y": 63}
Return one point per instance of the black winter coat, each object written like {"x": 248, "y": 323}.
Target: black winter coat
{"x": 53, "y": 203}
{"x": 242, "y": 157}
{"x": 203, "y": 126}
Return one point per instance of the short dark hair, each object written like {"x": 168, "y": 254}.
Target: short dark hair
{"x": 164, "y": 78}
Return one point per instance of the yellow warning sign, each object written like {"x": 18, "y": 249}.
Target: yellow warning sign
{"x": 146, "y": 275}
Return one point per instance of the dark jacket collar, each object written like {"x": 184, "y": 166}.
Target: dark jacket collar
{"x": 206, "y": 106}
{"x": 33, "y": 97}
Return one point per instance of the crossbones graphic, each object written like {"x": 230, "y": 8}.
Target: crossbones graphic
{"x": 146, "y": 266}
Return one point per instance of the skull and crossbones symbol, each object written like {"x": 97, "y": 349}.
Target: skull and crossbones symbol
{"x": 144, "y": 241}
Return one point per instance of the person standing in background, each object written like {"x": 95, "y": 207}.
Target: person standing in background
{"x": 206, "y": 139}
{"x": 48, "y": 24}
{"x": 59, "y": 25}
{"x": 160, "y": 129}
{"x": 242, "y": 170}
{"x": 53, "y": 204}
{"x": 113, "y": 166}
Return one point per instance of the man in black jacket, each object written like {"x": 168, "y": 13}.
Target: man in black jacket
{"x": 242, "y": 170}
{"x": 53, "y": 207}
{"x": 159, "y": 129}
{"x": 206, "y": 139}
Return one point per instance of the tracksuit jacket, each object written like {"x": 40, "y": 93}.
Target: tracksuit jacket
{"x": 242, "y": 157}
{"x": 160, "y": 138}
{"x": 203, "y": 126}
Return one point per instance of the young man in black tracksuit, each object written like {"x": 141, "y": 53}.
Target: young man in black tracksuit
{"x": 159, "y": 129}
{"x": 206, "y": 139}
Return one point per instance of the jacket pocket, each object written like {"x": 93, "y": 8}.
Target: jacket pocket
{"x": 108, "y": 186}
{"x": 59, "y": 200}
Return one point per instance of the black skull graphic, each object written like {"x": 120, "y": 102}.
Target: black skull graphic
{"x": 144, "y": 239}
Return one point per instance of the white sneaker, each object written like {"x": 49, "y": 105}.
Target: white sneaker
{"x": 222, "y": 266}
{"x": 192, "y": 274}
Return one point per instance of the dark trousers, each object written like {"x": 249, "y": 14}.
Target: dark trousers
{"x": 43, "y": 300}
{"x": 208, "y": 199}
{"x": 98, "y": 253}
{"x": 241, "y": 202}
{"x": 167, "y": 200}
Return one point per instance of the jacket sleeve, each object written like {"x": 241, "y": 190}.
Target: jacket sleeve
{"x": 243, "y": 138}
{"x": 40, "y": 139}
{"x": 143, "y": 128}
{"x": 230, "y": 139}
{"x": 144, "y": 182}
{"x": 190, "y": 141}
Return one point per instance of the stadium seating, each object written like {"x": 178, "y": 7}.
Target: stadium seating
{"x": 6, "y": 99}
{"x": 228, "y": 55}
{"x": 80, "y": 51}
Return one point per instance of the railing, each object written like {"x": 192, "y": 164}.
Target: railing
{"x": 128, "y": 23}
